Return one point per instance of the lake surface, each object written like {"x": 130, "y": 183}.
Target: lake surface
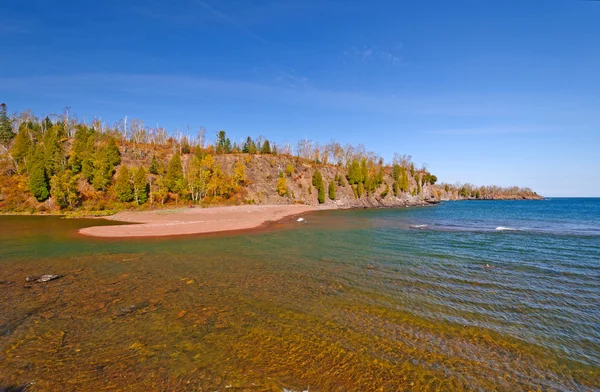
{"x": 501, "y": 295}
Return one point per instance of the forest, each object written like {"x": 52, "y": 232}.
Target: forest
{"x": 61, "y": 163}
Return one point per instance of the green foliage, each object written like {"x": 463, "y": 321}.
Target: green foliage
{"x": 355, "y": 174}
{"x": 447, "y": 188}
{"x": 386, "y": 191}
{"x": 266, "y": 148}
{"x": 38, "y": 180}
{"x": 124, "y": 185}
{"x": 6, "y": 132}
{"x": 360, "y": 190}
{"x": 463, "y": 192}
{"x": 64, "y": 190}
{"x": 249, "y": 146}
{"x": 174, "y": 176}
{"x": 332, "y": 190}
{"x": 317, "y": 181}
{"x": 412, "y": 169}
{"x": 22, "y": 147}
{"x": 154, "y": 166}
{"x": 113, "y": 155}
{"x": 140, "y": 186}
{"x": 223, "y": 145}
{"x": 395, "y": 188}
{"x": 418, "y": 180}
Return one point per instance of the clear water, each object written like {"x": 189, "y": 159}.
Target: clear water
{"x": 410, "y": 299}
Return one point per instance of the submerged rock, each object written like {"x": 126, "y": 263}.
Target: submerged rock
{"x": 43, "y": 278}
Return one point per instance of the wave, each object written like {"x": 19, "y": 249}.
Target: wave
{"x": 502, "y": 228}
{"x": 418, "y": 226}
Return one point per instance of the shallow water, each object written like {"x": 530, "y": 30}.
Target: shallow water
{"x": 409, "y": 299}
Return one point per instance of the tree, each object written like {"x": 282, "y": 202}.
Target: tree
{"x": 64, "y": 190}
{"x": 124, "y": 186}
{"x": 38, "y": 180}
{"x": 266, "y": 147}
{"x": 140, "y": 186}
{"x": 154, "y": 166}
{"x": 289, "y": 169}
{"x": 332, "y": 190}
{"x": 174, "y": 175}
{"x": 249, "y": 146}
{"x": 6, "y": 132}
{"x": 239, "y": 172}
{"x": 113, "y": 155}
{"x": 282, "y": 185}
{"x": 223, "y": 143}
{"x": 21, "y": 147}
{"x": 386, "y": 191}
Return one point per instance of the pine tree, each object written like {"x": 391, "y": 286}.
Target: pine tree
{"x": 6, "y": 132}
{"x": 266, "y": 148}
{"x": 332, "y": 190}
{"x": 22, "y": 147}
{"x": 113, "y": 155}
{"x": 154, "y": 166}
{"x": 123, "y": 185}
{"x": 38, "y": 180}
{"x": 174, "y": 175}
{"x": 140, "y": 186}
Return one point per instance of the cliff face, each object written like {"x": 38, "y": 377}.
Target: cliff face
{"x": 262, "y": 174}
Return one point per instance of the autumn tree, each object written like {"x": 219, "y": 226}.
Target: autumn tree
{"x": 64, "y": 189}
{"x": 239, "y": 173}
{"x": 282, "y": 188}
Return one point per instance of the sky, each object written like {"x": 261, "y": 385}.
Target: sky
{"x": 485, "y": 92}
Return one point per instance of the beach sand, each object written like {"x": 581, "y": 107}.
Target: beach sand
{"x": 194, "y": 220}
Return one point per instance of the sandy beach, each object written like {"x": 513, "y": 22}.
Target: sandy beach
{"x": 194, "y": 220}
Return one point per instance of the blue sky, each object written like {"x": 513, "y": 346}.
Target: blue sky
{"x": 488, "y": 92}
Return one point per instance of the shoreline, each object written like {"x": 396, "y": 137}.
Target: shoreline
{"x": 187, "y": 221}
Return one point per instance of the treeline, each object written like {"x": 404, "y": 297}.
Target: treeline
{"x": 73, "y": 164}
{"x": 470, "y": 191}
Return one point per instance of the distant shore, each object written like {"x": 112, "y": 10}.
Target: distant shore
{"x": 194, "y": 220}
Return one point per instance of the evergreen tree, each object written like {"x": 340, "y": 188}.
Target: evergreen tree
{"x": 321, "y": 194}
{"x": 223, "y": 143}
{"x": 123, "y": 185}
{"x": 249, "y": 146}
{"x": 266, "y": 148}
{"x": 6, "y": 132}
{"x": 140, "y": 186}
{"x": 386, "y": 191}
{"x": 38, "y": 180}
{"x": 22, "y": 147}
{"x": 355, "y": 174}
{"x": 174, "y": 176}
{"x": 332, "y": 190}
{"x": 113, "y": 155}
{"x": 154, "y": 166}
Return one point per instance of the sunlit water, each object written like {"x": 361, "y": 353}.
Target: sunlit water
{"x": 461, "y": 296}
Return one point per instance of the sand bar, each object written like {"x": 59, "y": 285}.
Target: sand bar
{"x": 194, "y": 220}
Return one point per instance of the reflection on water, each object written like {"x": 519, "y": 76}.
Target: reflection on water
{"x": 343, "y": 302}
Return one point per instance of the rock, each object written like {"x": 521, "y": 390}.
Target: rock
{"x": 43, "y": 278}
